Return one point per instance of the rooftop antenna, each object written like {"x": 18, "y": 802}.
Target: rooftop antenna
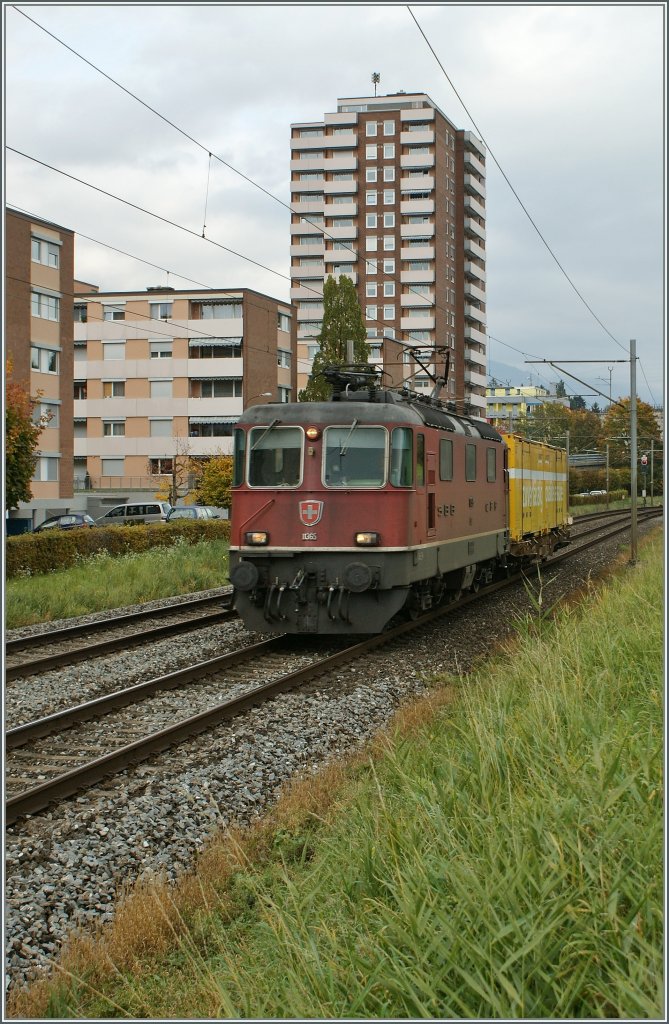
{"x": 376, "y": 78}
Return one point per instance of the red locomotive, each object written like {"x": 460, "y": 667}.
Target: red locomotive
{"x": 345, "y": 512}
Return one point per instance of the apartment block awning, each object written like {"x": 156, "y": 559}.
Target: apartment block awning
{"x": 208, "y": 376}
{"x": 215, "y": 342}
{"x": 213, "y": 419}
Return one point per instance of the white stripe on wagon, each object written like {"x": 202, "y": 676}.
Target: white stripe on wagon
{"x": 535, "y": 474}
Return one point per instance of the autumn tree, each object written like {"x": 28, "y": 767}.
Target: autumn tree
{"x": 215, "y": 482}
{"x": 547, "y": 422}
{"x": 21, "y": 440}
{"x": 342, "y": 322}
{"x": 616, "y": 429}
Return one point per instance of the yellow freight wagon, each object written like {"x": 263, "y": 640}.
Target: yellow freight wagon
{"x": 538, "y": 496}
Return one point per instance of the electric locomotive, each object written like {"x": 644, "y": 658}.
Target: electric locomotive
{"x": 346, "y": 512}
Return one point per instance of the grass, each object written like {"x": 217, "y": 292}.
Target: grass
{"x": 497, "y": 853}
{"x": 103, "y": 582}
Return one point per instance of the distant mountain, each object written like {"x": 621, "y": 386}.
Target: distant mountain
{"x": 508, "y": 375}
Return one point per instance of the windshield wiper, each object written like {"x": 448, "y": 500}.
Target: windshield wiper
{"x": 342, "y": 450}
{"x": 264, "y": 433}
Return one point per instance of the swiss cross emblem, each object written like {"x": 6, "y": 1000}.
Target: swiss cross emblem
{"x": 311, "y": 512}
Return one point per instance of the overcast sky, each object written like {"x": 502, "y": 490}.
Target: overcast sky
{"x": 568, "y": 98}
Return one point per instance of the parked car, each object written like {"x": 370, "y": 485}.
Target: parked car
{"x": 65, "y": 522}
{"x": 136, "y": 512}
{"x": 597, "y": 494}
{"x": 192, "y": 512}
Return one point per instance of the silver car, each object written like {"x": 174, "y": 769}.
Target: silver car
{"x": 192, "y": 512}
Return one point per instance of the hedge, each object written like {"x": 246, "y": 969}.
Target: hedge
{"x": 37, "y": 553}
{"x": 597, "y": 499}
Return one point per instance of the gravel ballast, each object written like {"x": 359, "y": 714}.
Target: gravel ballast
{"x": 64, "y": 867}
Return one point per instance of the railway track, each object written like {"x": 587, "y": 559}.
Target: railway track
{"x": 113, "y": 745}
{"x": 41, "y": 652}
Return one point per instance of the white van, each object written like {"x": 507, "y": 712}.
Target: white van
{"x": 136, "y": 512}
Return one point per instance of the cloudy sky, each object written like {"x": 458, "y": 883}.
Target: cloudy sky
{"x": 568, "y": 98}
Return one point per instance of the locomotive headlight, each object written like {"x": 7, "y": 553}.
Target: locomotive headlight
{"x": 313, "y": 433}
{"x": 257, "y": 538}
{"x": 368, "y": 540}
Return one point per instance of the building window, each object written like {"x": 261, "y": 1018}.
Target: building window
{"x": 371, "y": 266}
{"x": 80, "y": 390}
{"x": 370, "y": 289}
{"x": 113, "y": 428}
{"x": 160, "y": 388}
{"x": 389, "y": 220}
{"x": 371, "y": 174}
{"x": 231, "y": 388}
{"x": 44, "y": 360}
{"x": 115, "y": 312}
{"x": 371, "y": 243}
{"x": 283, "y": 321}
{"x": 389, "y": 266}
{"x": 371, "y": 128}
{"x": 388, "y": 127}
{"x": 311, "y": 176}
{"x": 46, "y": 307}
{"x": 46, "y": 411}
{"x": 47, "y": 253}
{"x": 370, "y": 198}
{"x": 80, "y": 313}
{"x": 389, "y": 242}
{"x": 371, "y": 152}
{"x": 388, "y": 312}
{"x": 160, "y": 428}
{"x": 370, "y": 312}
{"x": 283, "y": 358}
{"x": 284, "y": 394}
{"x": 389, "y": 151}
{"x": 388, "y": 289}
{"x": 46, "y": 469}
{"x": 159, "y": 467}
{"x": 388, "y": 173}
{"x": 113, "y": 350}
{"x": 113, "y": 389}
{"x": 160, "y": 310}
{"x": 161, "y": 349}
{"x": 388, "y": 196}
{"x": 309, "y": 133}
{"x": 80, "y": 352}
{"x": 370, "y": 220}
{"x": 80, "y": 432}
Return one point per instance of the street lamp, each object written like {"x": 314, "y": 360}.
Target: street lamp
{"x": 263, "y": 394}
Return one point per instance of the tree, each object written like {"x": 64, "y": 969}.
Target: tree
{"x": 577, "y": 402}
{"x": 214, "y": 485}
{"x": 616, "y": 429}
{"x": 21, "y": 439}
{"x": 342, "y": 322}
{"x": 560, "y": 390}
{"x": 548, "y": 422}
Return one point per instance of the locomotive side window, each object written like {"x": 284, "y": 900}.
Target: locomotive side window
{"x": 275, "y": 456}
{"x": 470, "y": 462}
{"x": 401, "y": 457}
{"x": 491, "y": 464}
{"x": 445, "y": 459}
{"x": 354, "y": 456}
{"x": 240, "y": 452}
{"x": 420, "y": 460}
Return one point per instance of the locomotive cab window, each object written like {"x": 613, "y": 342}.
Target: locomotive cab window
{"x": 354, "y": 456}
{"x": 275, "y": 456}
{"x": 420, "y": 460}
{"x": 491, "y": 456}
{"x": 470, "y": 462}
{"x": 445, "y": 459}
{"x": 239, "y": 459}
{"x": 401, "y": 457}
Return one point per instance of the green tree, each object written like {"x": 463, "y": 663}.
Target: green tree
{"x": 560, "y": 390}
{"x": 342, "y": 322}
{"x": 214, "y": 485}
{"x": 577, "y": 402}
{"x": 616, "y": 429}
{"x": 548, "y": 422}
{"x": 21, "y": 439}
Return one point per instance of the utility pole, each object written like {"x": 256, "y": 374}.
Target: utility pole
{"x": 652, "y": 453}
{"x": 633, "y": 453}
{"x": 567, "y": 435}
{"x": 607, "y": 476}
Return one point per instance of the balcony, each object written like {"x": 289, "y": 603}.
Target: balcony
{"x": 417, "y": 138}
{"x": 416, "y": 162}
{"x": 305, "y": 164}
{"x": 423, "y": 184}
{"x": 310, "y": 313}
{"x": 474, "y": 313}
{"x": 309, "y": 294}
{"x": 342, "y": 233}
{"x": 351, "y": 274}
{"x": 416, "y": 206}
{"x": 341, "y": 163}
{"x": 316, "y": 206}
{"x": 417, "y": 323}
{"x": 472, "y": 334}
{"x": 341, "y": 209}
{"x": 349, "y": 140}
{"x": 472, "y": 292}
{"x": 472, "y": 142}
{"x": 341, "y": 255}
{"x": 479, "y": 380}
{"x": 417, "y": 276}
{"x": 416, "y": 231}
{"x": 304, "y": 333}
{"x": 317, "y": 185}
{"x": 472, "y": 163}
{"x": 417, "y": 114}
{"x": 473, "y": 249}
{"x": 473, "y": 270}
{"x": 417, "y": 252}
{"x": 316, "y": 270}
{"x": 473, "y": 186}
{"x": 305, "y": 228}
{"x": 474, "y": 207}
{"x": 475, "y": 355}
{"x": 340, "y": 187}
{"x": 310, "y": 142}
{"x": 341, "y": 118}
{"x": 418, "y": 299}
{"x": 307, "y": 250}
{"x": 474, "y": 228}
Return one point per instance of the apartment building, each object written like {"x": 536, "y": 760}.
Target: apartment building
{"x": 164, "y": 373}
{"x": 506, "y": 404}
{"x": 389, "y": 192}
{"x": 39, "y": 273}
